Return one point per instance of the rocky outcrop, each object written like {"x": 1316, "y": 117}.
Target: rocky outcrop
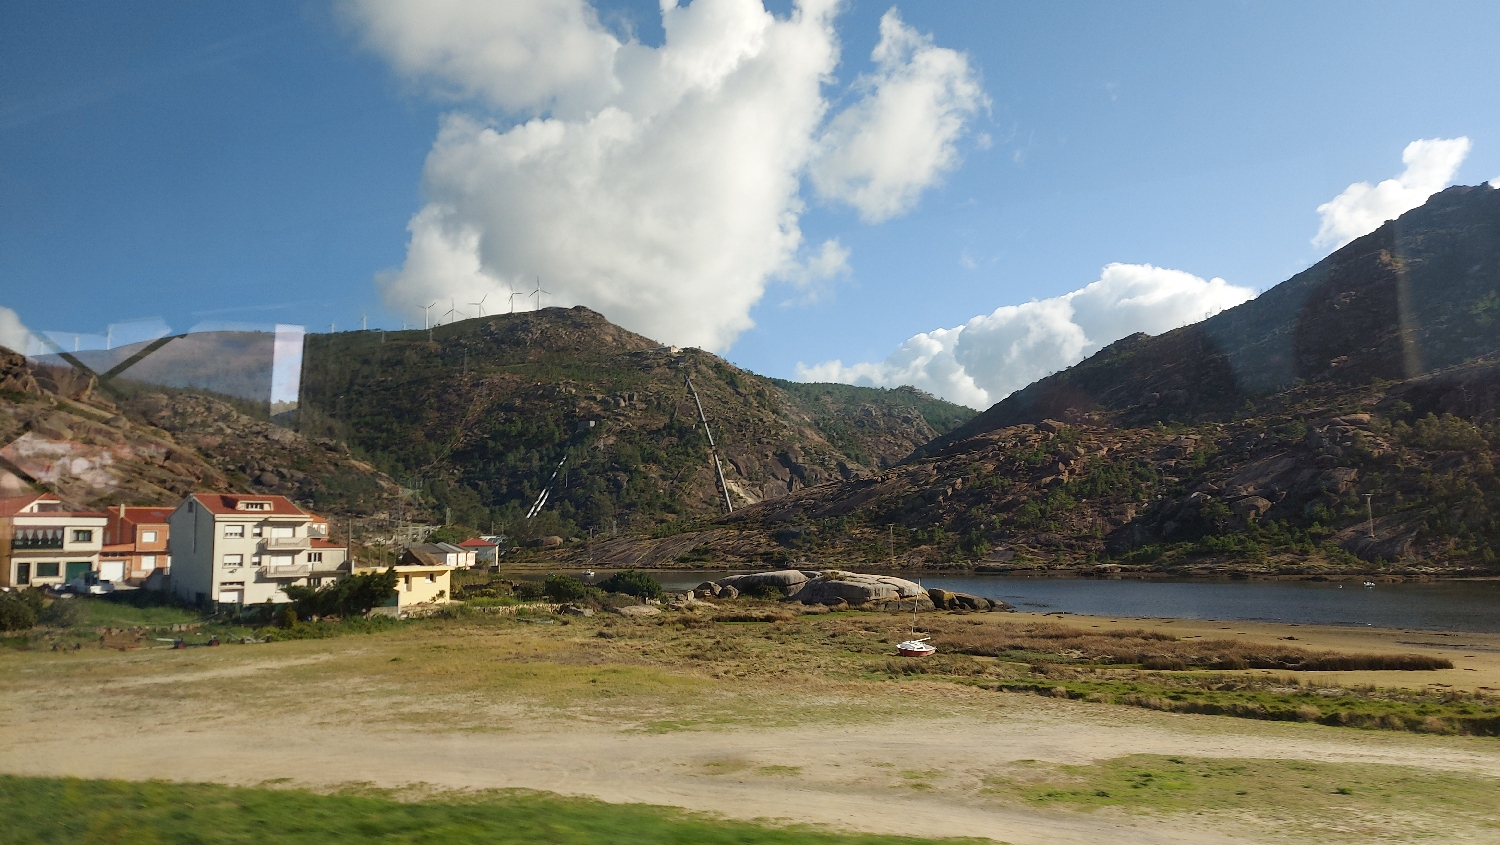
{"x": 949, "y": 600}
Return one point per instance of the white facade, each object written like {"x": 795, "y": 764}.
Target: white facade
{"x": 246, "y": 549}
{"x": 44, "y": 544}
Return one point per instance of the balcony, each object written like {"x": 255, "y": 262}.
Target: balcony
{"x": 31, "y": 539}
{"x": 286, "y": 544}
{"x": 277, "y": 573}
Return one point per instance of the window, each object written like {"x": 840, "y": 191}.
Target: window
{"x": 148, "y": 563}
{"x": 255, "y": 506}
{"x": 314, "y": 557}
{"x": 255, "y": 560}
{"x": 431, "y": 578}
{"x": 234, "y": 560}
{"x": 46, "y": 569}
{"x": 279, "y": 531}
{"x": 83, "y": 535}
{"x": 255, "y": 532}
{"x": 23, "y": 573}
{"x": 232, "y": 531}
{"x": 148, "y": 536}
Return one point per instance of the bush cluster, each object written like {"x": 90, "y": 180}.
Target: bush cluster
{"x": 353, "y": 596}
{"x": 19, "y": 610}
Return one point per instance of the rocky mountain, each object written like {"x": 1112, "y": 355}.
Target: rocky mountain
{"x": 1347, "y": 420}
{"x": 140, "y": 445}
{"x": 480, "y": 413}
{"x": 1418, "y": 295}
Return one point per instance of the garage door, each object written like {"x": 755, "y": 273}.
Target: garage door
{"x": 229, "y": 596}
{"x": 111, "y": 570}
{"x": 75, "y": 569}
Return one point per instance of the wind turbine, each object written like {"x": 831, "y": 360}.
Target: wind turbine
{"x": 513, "y": 294}
{"x": 452, "y": 309}
{"x": 538, "y": 293}
{"x": 480, "y": 304}
{"x": 427, "y": 316}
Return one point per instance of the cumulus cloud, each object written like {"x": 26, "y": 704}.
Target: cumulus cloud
{"x": 1362, "y": 207}
{"x": 900, "y": 137}
{"x": 662, "y": 185}
{"x": 13, "y": 333}
{"x": 995, "y": 354}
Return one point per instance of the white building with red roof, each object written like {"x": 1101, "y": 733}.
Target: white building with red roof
{"x": 44, "y": 542}
{"x": 232, "y": 548}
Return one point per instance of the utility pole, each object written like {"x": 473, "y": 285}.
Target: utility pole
{"x": 713, "y": 450}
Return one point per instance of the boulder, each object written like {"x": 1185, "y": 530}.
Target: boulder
{"x": 949, "y": 600}
{"x": 1250, "y": 507}
{"x": 707, "y": 588}
{"x": 575, "y": 610}
{"x": 638, "y": 610}
{"x": 788, "y": 581}
{"x": 727, "y": 593}
{"x": 835, "y": 587}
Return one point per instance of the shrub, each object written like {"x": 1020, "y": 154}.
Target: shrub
{"x": 529, "y": 590}
{"x": 632, "y": 582}
{"x": 565, "y": 588}
{"x": 61, "y": 614}
{"x": 352, "y": 596}
{"x": 18, "y": 611}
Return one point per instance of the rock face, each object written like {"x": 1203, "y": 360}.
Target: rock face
{"x": 833, "y": 588}
{"x": 788, "y": 581}
{"x": 949, "y": 600}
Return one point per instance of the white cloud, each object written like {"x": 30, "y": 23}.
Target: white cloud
{"x": 520, "y": 56}
{"x": 660, "y": 186}
{"x": 13, "y": 333}
{"x": 1362, "y": 207}
{"x": 900, "y": 138}
{"x": 993, "y": 355}
{"x": 1495, "y": 183}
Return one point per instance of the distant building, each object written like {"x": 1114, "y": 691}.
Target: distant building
{"x": 229, "y": 548}
{"x": 135, "y": 544}
{"x": 44, "y": 543}
{"x": 444, "y": 553}
{"x": 424, "y": 576}
{"x": 486, "y": 551}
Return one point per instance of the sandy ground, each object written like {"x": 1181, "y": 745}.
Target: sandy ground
{"x": 844, "y": 775}
{"x": 1476, "y": 657}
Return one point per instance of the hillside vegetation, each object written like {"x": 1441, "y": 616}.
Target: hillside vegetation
{"x": 478, "y": 415}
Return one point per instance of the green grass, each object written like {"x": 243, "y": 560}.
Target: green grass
{"x": 116, "y": 614}
{"x": 1314, "y": 792}
{"x": 1252, "y": 697}
{"x": 45, "y": 810}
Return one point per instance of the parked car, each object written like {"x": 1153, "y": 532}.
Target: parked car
{"x": 89, "y": 584}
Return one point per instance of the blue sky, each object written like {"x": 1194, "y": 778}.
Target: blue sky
{"x": 261, "y": 162}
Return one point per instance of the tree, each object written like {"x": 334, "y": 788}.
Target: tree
{"x": 565, "y": 588}
{"x": 352, "y": 596}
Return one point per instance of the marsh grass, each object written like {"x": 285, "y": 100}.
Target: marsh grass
{"x": 1346, "y": 799}
{"x": 84, "y": 812}
{"x": 1156, "y": 650}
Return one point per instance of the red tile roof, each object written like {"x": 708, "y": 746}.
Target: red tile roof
{"x": 146, "y": 515}
{"x": 227, "y": 503}
{"x": 477, "y": 543}
{"x": 13, "y": 505}
{"x": 320, "y": 543}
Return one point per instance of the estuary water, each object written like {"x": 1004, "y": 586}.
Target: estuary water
{"x": 1436, "y": 606}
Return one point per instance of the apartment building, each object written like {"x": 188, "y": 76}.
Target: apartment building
{"x": 43, "y": 542}
{"x": 135, "y": 544}
{"x": 229, "y": 548}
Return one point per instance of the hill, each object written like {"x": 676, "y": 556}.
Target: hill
{"x": 1347, "y": 420}
{"x": 140, "y": 445}
{"x": 479, "y": 413}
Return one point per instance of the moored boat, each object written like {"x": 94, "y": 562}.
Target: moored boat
{"x": 915, "y": 648}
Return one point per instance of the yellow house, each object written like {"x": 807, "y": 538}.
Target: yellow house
{"x": 422, "y": 578}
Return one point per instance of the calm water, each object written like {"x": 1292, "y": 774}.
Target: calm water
{"x": 1444, "y": 606}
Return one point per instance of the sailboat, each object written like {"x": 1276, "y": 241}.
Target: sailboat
{"x": 916, "y": 646}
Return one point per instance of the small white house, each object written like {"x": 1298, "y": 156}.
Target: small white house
{"x": 45, "y": 543}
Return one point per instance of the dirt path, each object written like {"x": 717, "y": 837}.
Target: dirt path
{"x": 845, "y": 776}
